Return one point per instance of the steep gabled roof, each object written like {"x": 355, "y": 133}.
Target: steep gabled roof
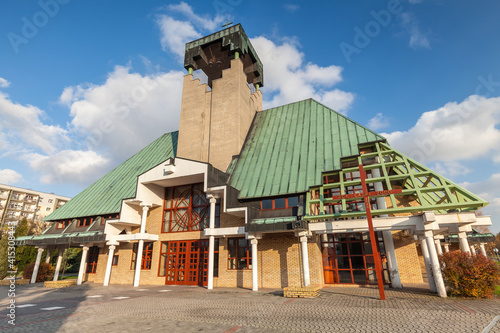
{"x": 288, "y": 147}
{"x": 106, "y": 194}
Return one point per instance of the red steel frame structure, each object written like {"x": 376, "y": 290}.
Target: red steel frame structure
{"x": 366, "y": 196}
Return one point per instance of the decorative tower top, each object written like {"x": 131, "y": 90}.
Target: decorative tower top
{"x": 214, "y": 53}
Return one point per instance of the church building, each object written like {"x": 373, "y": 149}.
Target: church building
{"x": 245, "y": 197}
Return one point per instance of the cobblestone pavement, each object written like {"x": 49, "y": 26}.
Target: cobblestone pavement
{"x": 93, "y": 308}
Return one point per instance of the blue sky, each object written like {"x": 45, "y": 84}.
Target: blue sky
{"x": 85, "y": 84}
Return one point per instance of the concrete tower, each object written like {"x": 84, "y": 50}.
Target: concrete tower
{"x": 216, "y": 117}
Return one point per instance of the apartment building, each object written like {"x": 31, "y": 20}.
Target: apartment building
{"x": 17, "y": 203}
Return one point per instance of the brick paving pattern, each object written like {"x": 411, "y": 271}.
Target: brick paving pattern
{"x": 187, "y": 309}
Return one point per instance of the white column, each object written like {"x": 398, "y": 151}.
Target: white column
{"x": 83, "y": 264}
{"x": 391, "y": 259}
{"x": 37, "y": 265}
{"x": 438, "y": 246}
{"x": 58, "y": 265}
{"x": 473, "y": 250}
{"x": 140, "y": 247}
{"x": 255, "y": 272}
{"x": 109, "y": 264}
{"x": 211, "y": 245}
{"x": 392, "y": 262}
{"x": 438, "y": 278}
{"x": 378, "y": 186}
{"x": 483, "y": 249}
{"x": 305, "y": 261}
{"x": 464, "y": 244}
{"x": 427, "y": 261}
{"x": 47, "y": 256}
{"x": 446, "y": 247}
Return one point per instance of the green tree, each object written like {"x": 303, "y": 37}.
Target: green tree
{"x": 4, "y": 263}
{"x": 22, "y": 228}
{"x": 24, "y": 254}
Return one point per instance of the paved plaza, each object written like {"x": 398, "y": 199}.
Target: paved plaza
{"x": 93, "y": 308}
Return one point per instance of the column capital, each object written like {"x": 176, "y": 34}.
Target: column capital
{"x": 429, "y": 233}
{"x": 254, "y": 241}
{"x": 85, "y": 248}
{"x": 303, "y": 239}
{"x": 41, "y": 249}
{"x": 112, "y": 247}
{"x": 146, "y": 205}
{"x": 212, "y": 197}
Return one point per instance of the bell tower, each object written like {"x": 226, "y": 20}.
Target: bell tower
{"x": 216, "y": 116}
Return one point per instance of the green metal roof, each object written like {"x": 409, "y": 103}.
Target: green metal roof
{"x": 106, "y": 194}
{"x": 271, "y": 220}
{"x": 234, "y": 39}
{"x": 288, "y": 147}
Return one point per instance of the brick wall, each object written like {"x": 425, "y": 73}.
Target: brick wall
{"x": 228, "y": 220}
{"x": 407, "y": 257}
{"x": 279, "y": 263}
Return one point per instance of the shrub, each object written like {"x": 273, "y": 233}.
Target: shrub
{"x": 469, "y": 275}
{"x": 44, "y": 272}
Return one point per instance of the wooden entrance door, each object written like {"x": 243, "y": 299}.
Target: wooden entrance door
{"x": 187, "y": 262}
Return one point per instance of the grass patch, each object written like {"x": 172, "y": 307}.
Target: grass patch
{"x": 497, "y": 291}
{"x": 68, "y": 277}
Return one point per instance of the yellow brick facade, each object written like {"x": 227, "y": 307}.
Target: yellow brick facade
{"x": 407, "y": 257}
{"x": 279, "y": 258}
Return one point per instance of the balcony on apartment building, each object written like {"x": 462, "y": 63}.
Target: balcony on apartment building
{"x": 31, "y": 199}
{"x": 28, "y": 216}
{"x": 29, "y": 208}
{"x": 17, "y": 197}
{"x": 12, "y": 216}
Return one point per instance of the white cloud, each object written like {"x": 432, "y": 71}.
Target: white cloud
{"x": 292, "y": 8}
{"x": 378, "y": 122}
{"x": 289, "y": 79}
{"x": 126, "y": 112}
{"x": 418, "y": 39}
{"x": 456, "y": 131}
{"x": 203, "y": 22}
{"x": 110, "y": 122}
{"x": 4, "y": 83}
{"x": 488, "y": 190}
{"x": 68, "y": 166}
{"x": 175, "y": 34}
{"x": 450, "y": 169}
{"x": 10, "y": 177}
{"x": 22, "y": 125}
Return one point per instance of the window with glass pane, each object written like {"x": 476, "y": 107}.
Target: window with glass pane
{"x": 93, "y": 258}
{"x": 147, "y": 254}
{"x": 350, "y": 259}
{"x": 280, "y": 203}
{"x": 239, "y": 253}
{"x": 186, "y": 208}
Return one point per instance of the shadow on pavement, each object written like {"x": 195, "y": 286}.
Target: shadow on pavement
{"x": 39, "y": 309}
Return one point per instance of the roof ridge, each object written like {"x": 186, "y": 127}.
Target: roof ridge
{"x": 329, "y": 108}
